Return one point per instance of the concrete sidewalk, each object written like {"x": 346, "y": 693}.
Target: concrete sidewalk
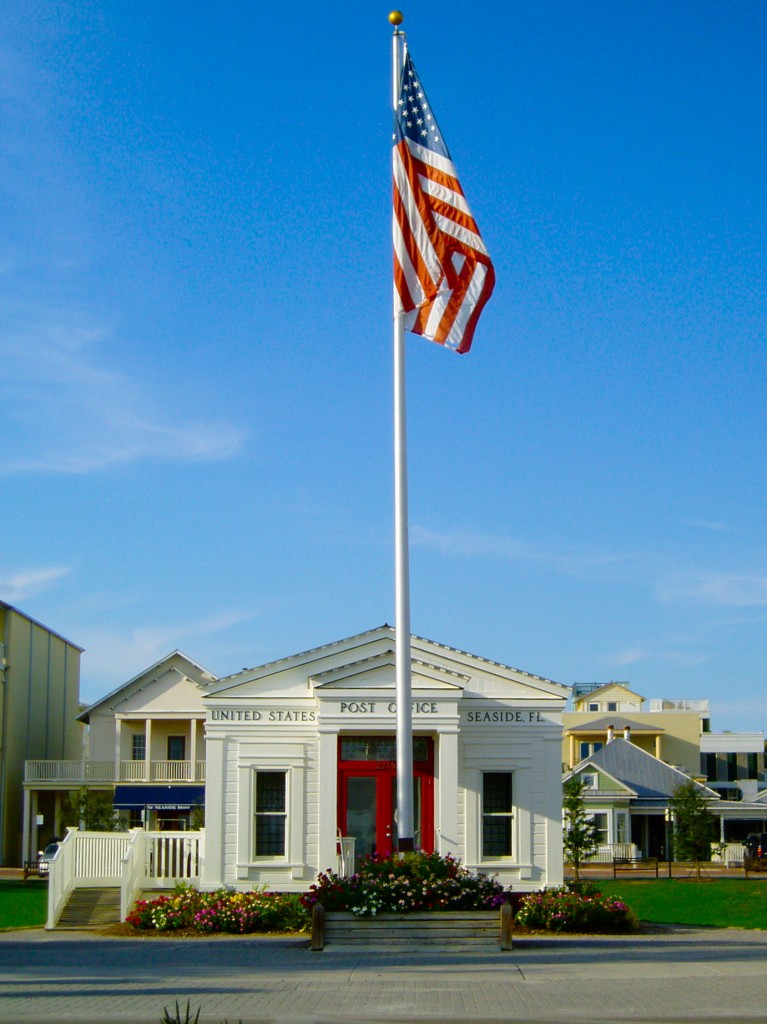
{"x": 677, "y": 975}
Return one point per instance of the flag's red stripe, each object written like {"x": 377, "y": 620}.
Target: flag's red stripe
{"x": 413, "y": 252}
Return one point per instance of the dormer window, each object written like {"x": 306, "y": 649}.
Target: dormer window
{"x": 612, "y": 705}
{"x": 593, "y": 706}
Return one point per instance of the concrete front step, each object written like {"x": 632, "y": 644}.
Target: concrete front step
{"x": 473, "y": 929}
{"x": 90, "y": 908}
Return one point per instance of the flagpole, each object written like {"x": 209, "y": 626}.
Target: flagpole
{"x": 402, "y": 654}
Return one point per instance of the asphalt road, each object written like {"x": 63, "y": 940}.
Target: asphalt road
{"x": 677, "y": 975}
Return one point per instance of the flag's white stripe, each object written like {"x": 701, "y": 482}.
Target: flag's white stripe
{"x": 470, "y": 299}
{"x": 447, "y": 195}
{"x": 470, "y": 238}
{"x": 440, "y": 163}
{"x": 417, "y": 227}
{"x": 436, "y": 312}
{"x": 414, "y": 285}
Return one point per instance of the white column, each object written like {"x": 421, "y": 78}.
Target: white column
{"x": 215, "y": 798}
{"x": 148, "y": 752}
{"x": 447, "y": 795}
{"x": 118, "y": 747}
{"x": 193, "y": 747}
{"x": 26, "y": 847}
{"x": 328, "y": 800}
{"x": 33, "y": 823}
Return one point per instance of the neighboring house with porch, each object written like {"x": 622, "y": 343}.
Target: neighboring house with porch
{"x": 146, "y": 743}
{"x": 628, "y": 793}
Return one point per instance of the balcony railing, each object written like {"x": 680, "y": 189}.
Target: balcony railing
{"x": 680, "y": 705}
{"x": 82, "y": 772}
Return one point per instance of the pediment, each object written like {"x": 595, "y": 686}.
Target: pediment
{"x": 170, "y": 691}
{"x": 174, "y": 682}
{"x": 378, "y": 672}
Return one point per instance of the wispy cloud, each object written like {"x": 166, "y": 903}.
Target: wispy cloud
{"x": 711, "y": 525}
{"x": 114, "y": 656}
{"x": 583, "y": 564}
{"x": 719, "y": 589}
{"x": 26, "y": 583}
{"x": 628, "y": 656}
{"x": 665, "y": 582}
{"x": 76, "y": 413}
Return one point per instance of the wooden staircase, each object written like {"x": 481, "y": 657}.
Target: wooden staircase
{"x": 91, "y": 908}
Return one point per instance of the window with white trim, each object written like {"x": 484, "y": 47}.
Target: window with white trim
{"x": 497, "y": 815}
{"x": 270, "y": 814}
{"x": 138, "y": 746}
{"x": 601, "y": 822}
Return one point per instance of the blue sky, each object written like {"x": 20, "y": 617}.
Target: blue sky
{"x": 195, "y": 334}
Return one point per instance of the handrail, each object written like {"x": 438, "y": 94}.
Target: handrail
{"x": 60, "y": 876}
{"x": 132, "y": 871}
{"x": 133, "y": 860}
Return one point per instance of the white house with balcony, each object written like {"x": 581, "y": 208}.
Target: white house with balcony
{"x": 146, "y": 743}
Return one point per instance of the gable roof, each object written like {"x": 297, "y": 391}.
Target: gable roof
{"x": 650, "y": 778}
{"x": 369, "y": 644}
{"x": 618, "y": 722}
{"x": 196, "y": 673}
{"x": 607, "y": 686}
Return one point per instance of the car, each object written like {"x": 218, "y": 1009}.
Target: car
{"x": 46, "y": 856}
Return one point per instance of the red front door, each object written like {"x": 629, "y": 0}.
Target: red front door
{"x": 367, "y": 793}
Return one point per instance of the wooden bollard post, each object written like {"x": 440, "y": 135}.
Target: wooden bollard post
{"x": 318, "y": 927}
{"x": 507, "y": 923}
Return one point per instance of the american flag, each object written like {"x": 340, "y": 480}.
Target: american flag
{"x": 443, "y": 275}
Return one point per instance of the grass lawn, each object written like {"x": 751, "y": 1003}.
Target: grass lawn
{"x": 23, "y": 904}
{"x": 715, "y": 903}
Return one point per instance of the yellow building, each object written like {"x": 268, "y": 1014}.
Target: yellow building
{"x": 39, "y": 703}
{"x": 670, "y": 730}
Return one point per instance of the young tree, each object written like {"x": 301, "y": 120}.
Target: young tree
{"x": 694, "y": 824}
{"x": 579, "y": 833}
{"x": 93, "y": 809}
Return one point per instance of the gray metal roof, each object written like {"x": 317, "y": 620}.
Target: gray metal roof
{"x": 648, "y": 777}
{"x": 619, "y": 722}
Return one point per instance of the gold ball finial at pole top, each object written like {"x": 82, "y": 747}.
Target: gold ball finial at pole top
{"x": 396, "y": 18}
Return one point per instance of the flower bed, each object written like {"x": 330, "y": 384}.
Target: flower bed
{"x": 565, "y": 910}
{"x": 416, "y": 882}
{"x": 220, "y": 911}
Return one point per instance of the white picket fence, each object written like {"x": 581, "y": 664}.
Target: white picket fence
{"x": 731, "y": 856}
{"x": 132, "y": 860}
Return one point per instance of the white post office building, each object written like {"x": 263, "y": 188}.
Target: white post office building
{"x": 301, "y": 751}
{"x": 296, "y": 759}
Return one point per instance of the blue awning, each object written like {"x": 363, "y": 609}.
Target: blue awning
{"x": 159, "y": 798}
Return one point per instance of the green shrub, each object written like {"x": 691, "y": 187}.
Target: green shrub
{"x": 562, "y": 910}
{"x": 417, "y": 881}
